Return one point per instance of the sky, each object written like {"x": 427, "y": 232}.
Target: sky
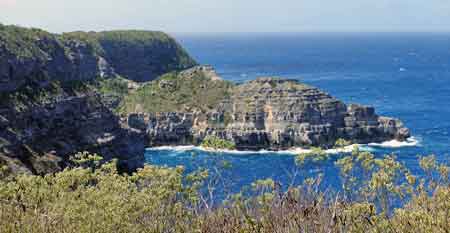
{"x": 203, "y": 16}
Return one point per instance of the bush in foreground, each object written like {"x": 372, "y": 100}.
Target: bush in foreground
{"x": 96, "y": 198}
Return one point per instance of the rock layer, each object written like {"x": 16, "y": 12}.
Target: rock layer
{"x": 40, "y": 138}
{"x": 52, "y": 104}
{"x": 50, "y": 108}
{"x": 81, "y": 56}
{"x": 273, "y": 113}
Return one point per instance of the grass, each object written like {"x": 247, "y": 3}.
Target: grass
{"x": 116, "y": 86}
{"x": 175, "y": 93}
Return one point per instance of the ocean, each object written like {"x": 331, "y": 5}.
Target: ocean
{"x": 406, "y": 76}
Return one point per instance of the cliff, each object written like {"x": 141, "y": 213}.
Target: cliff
{"x": 39, "y": 137}
{"x": 99, "y": 92}
{"x": 57, "y": 93}
{"x": 81, "y": 56}
{"x": 138, "y": 55}
{"x": 266, "y": 113}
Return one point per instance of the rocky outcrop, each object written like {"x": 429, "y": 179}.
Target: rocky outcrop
{"x": 273, "y": 113}
{"x": 50, "y": 108}
{"x": 53, "y": 104}
{"x": 142, "y": 55}
{"x": 81, "y": 56}
{"x": 29, "y": 53}
{"x": 40, "y": 138}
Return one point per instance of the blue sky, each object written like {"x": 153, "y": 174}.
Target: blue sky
{"x": 229, "y": 15}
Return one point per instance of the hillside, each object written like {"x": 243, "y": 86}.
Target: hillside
{"x": 80, "y": 56}
{"x": 266, "y": 113}
{"x": 57, "y": 91}
{"x": 138, "y": 55}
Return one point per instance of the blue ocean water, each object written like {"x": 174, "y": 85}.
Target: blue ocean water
{"x": 406, "y": 76}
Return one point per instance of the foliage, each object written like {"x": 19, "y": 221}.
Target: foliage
{"x": 135, "y": 39}
{"x": 340, "y": 143}
{"x": 86, "y": 160}
{"x": 383, "y": 181}
{"x": 100, "y": 200}
{"x": 116, "y": 86}
{"x": 137, "y": 55}
{"x": 173, "y": 92}
{"x": 25, "y": 43}
{"x": 213, "y": 142}
{"x": 316, "y": 154}
{"x": 40, "y": 91}
{"x": 160, "y": 199}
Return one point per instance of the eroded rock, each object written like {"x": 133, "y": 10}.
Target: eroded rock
{"x": 273, "y": 113}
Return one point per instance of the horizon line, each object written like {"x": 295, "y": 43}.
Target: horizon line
{"x": 446, "y": 31}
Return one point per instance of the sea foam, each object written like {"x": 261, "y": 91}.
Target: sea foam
{"x": 410, "y": 142}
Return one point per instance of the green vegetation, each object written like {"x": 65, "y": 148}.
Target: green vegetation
{"x": 116, "y": 86}
{"x": 137, "y": 55}
{"x": 174, "y": 92}
{"x": 96, "y": 198}
{"x": 88, "y": 38}
{"x": 340, "y": 143}
{"x": 316, "y": 154}
{"x": 86, "y": 160}
{"x": 35, "y": 93}
{"x": 212, "y": 142}
{"x": 101, "y": 200}
{"x": 24, "y": 42}
{"x": 122, "y": 44}
{"x": 132, "y": 40}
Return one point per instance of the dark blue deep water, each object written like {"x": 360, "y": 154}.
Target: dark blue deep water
{"x": 406, "y": 76}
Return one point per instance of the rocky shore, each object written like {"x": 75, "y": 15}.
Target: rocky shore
{"x": 115, "y": 93}
{"x": 56, "y": 94}
{"x": 271, "y": 113}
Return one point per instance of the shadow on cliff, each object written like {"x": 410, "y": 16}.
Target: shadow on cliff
{"x": 39, "y": 135}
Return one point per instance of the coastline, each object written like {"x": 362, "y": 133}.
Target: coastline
{"x": 410, "y": 142}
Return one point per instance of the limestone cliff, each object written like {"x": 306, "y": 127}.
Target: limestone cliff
{"x": 96, "y": 91}
{"x": 80, "y": 56}
{"x": 56, "y": 92}
{"x": 39, "y": 137}
{"x": 266, "y": 113}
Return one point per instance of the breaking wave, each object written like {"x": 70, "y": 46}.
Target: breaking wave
{"x": 410, "y": 142}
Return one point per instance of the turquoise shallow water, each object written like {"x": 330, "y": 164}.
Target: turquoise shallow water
{"x": 402, "y": 75}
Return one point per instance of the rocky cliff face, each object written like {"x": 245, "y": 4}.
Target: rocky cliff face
{"x": 142, "y": 55}
{"x": 81, "y": 56}
{"x": 39, "y": 136}
{"x": 57, "y": 94}
{"x": 50, "y": 106}
{"x": 271, "y": 113}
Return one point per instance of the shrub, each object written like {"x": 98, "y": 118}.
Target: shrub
{"x": 342, "y": 143}
{"x": 160, "y": 199}
{"x": 173, "y": 92}
{"x": 316, "y": 154}
{"x": 212, "y": 142}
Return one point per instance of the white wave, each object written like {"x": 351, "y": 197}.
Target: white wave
{"x": 410, "y": 142}
{"x": 294, "y": 151}
{"x": 173, "y": 148}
